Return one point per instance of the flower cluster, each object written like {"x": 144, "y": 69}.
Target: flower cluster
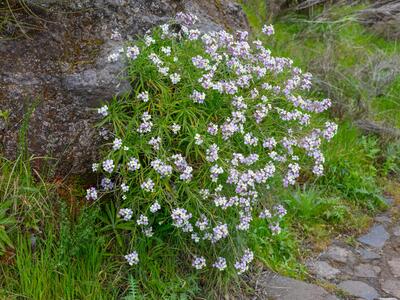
{"x": 204, "y": 134}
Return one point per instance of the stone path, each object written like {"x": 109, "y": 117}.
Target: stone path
{"x": 367, "y": 270}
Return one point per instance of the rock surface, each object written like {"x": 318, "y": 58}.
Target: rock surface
{"x": 324, "y": 270}
{"x": 283, "y": 288}
{"x": 62, "y": 72}
{"x": 359, "y": 289}
{"x": 383, "y": 17}
{"x": 373, "y": 272}
{"x": 376, "y": 237}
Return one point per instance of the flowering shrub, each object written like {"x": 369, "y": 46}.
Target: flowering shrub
{"x": 213, "y": 121}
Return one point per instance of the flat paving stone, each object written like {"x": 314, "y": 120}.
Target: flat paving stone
{"x": 367, "y": 270}
{"x": 376, "y": 237}
{"x": 284, "y": 288}
{"x": 338, "y": 254}
{"x": 394, "y": 265}
{"x": 369, "y": 255}
{"x": 396, "y": 231}
{"x": 388, "y": 200}
{"x": 359, "y": 289}
{"x": 392, "y": 287}
{"x": 324, "y": 270}
{"x": 383, "y": 219}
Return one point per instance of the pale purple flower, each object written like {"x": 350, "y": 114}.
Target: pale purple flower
{"x": 175, "y": 128}
{"x": 132, "y": 52}
{"x": 117, "y": 144}
{"x": 155, "y": 207}
{"x": 91, "y": 194}
{"x": 220, "y": 263}
{"x": 198, "y": 97}
{"x": 143, "y": 96}
{"x": 199, "y": 262}
{"x": 143, "y": 220}
{"x": 148, "y": 185}
{"x": 175, "y": 78}
{"x": 108, "y": 165}
{"x": 133, "y": 164}
{"x": 132, "y": 258}
{"x": 103, "y": 110}
{"x": 126, "y": 213}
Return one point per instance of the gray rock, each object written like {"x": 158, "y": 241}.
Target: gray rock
{"x": 396, "y": 231}
{"x": 359, "y": 289}
{"x": 339, "y": 254}
{"x": 383, "y": 17}
{"x": 383, "y": 219}
{"x": 376, "y": 237}
{"x": 324, "y": 270}
{"x": 388, "y": 200}
{"x": 64, "y": 70}
{"x": 284, "y": 288}
{"x": 392, "y": 287}
{"x": 369, "y": 255}
{"x": 366, "y": 270}
{"x": 394, "y": 265}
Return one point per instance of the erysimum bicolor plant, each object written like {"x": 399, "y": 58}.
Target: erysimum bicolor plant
{"x": 213, "y": 120}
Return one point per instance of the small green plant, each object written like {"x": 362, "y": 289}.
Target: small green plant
{"x": 5, "y": 222}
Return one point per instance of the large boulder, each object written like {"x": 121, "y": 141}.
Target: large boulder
{"x": 383, "y": 17}
{"x": 61, "y": 72}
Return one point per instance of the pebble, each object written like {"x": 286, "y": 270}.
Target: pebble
{"x": 376, "y": 237}
{"x": 396, "y": 231}
{"x": 394, "y": 265}
{"x": 339, "y": 254}
{"x": 391, "y": 287}
{"x": 366, "y": 270}
{"x": 369, "y": 255}
{"x": 383, "y": 219}
{"x": 324, "y": 270}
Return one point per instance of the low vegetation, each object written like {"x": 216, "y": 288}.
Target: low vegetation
{"x": 56, "y": 244}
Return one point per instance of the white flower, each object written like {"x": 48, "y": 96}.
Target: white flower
{"x": 166, "y": 50}
{"x": 175, "y": 128}
{"x": 132, "y": 258}
{"x": 132, "y": 52}
{"x": 124, "y": 187}
{"x": 199, "y": 262}
{"x": 91, "y": 194}
{"x": 126, "y": 213}
{"x": 175, "y": 78}
{"x": 113, "y": 57}
{"x": 155, "y": 207}
{"x": 148, "y": 231}
{"x": 220, "y": 263}
{"x": 108, "y": 165}
{"x": 268, "y": 30}
{"x": 198, "y": 139}
{"x": 143, "y": 220}
{"x": 103, "y": 110}
{"x": 144, "y": 96}
{"x": 133, "y": 164}
{"x": 115, "y": 35}
{"x": 148, "y": 40}
{"x": 148, "y": 185}
{"x": 95, "y": 167}
{"x": 117, "y": 144}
